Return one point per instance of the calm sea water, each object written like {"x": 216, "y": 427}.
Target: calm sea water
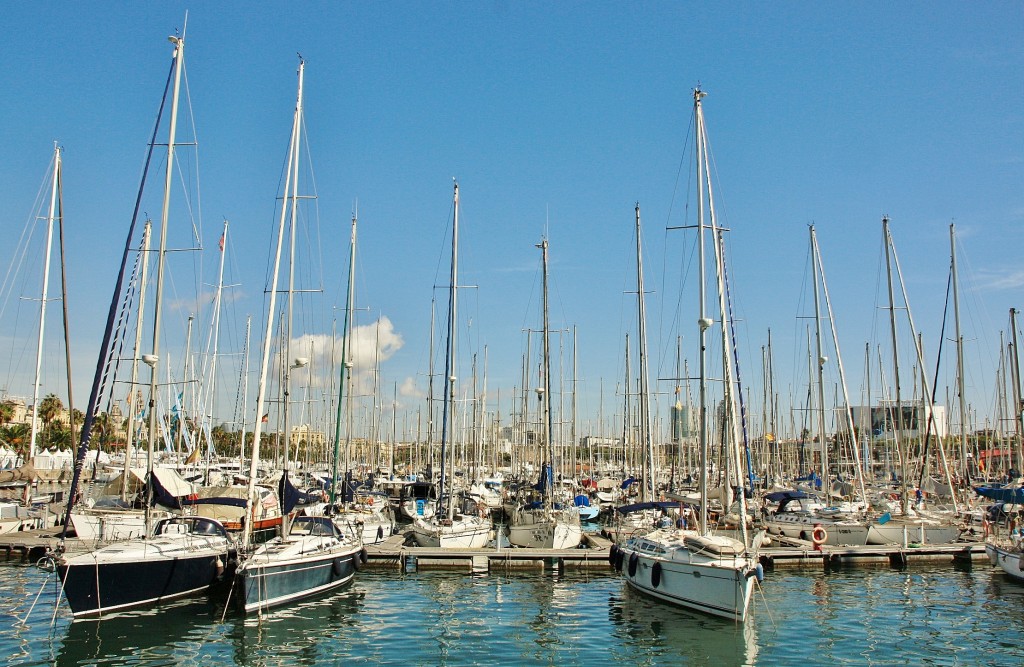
{"x": 934, "y": 615}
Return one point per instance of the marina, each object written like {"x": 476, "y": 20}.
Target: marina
{"x": 460, "y": 421}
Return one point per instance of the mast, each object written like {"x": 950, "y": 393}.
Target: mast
{"x": 962, "y": 405}
{"x": 847, "y": 413}
{"x": 346, "y": 362}
{"x": 650, "y": 491}
{"x": 54, "y": 195}
{"x": 447, "y": 413}
{"x": 823, "y": 445}
{"x": 153, "y": 359}
{"x": 898, "y": 410}
{"x": 245, "y": 390}
{"x": 268, "y": 334}
{"x": 703, "y": 321}
{"x": 1018, "y": 414}
{"x": 546, "y": 387}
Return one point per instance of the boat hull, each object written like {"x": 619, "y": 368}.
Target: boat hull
{"x": 113, "y": 579}
{"x": 698, "y": 579}
{"x": 276, "y": 582}
{"x": 464, "y": 533}
{"x": 1008, "y": 559}
{"x": 537, "y": 531}
{"x": 902, "y": 533}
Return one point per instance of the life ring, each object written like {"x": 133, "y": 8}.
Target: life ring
{"x": 819, "y": 535}
{"x": 634, "y": 560}
{"x": 656, "y": 574}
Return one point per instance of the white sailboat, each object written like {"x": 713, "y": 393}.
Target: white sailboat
{"x": 310, "y": 555}
{"x": 545, "y": 524}
{"x": 693, "y": 568}
{"x": 451, "y": 528}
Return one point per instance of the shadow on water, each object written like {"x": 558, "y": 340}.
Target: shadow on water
{"x": 191, "y": 631}
{"x": 688, "y": 638}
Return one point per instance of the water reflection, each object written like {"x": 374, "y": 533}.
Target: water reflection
{"x": 665, "y": 631}
{"x": 192, "y": 632}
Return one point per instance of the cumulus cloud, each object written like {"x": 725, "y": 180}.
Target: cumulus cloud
{"x": 370, "y": 344}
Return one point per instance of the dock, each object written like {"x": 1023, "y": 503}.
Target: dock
{"x": 396, "y": 554}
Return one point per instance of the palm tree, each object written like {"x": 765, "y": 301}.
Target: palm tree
{"x": 49, "y": 409}
{"x": 6, "y": 412}
{"x": 17, "y": 437}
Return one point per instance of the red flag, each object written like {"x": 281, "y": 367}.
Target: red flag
{"x": 222, "y": 243}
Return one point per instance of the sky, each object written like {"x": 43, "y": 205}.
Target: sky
{"x": 556, "y": 119}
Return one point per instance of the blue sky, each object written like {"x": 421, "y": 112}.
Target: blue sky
{"x": 555, "y": 118}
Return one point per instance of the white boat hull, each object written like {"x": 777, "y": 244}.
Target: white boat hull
{"x": 464, "y": 532}
{"x": 720, "y": 585}
{"x": 1008, "y": 559}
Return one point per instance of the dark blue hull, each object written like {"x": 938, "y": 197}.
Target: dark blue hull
{"x": 93, "y": 589}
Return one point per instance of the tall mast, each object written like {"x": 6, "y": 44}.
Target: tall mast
{"x": 823, "y": 445}
{"x": 962, "y": 404}
{"x": 346, "y": 362}
{"x": 154, "y": 359}
{"x": 703, "y": 322}
{"x": 546, "y": 387}
{"x": 447, "y": 413}
{"x": 650, "y": 491}
{"x": 271, "y": 307}
{"x": 54, "y": 194}
{"x": 898, "y": 409}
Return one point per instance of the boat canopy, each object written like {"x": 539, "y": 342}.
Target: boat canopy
{"x": 1007, "y": 495}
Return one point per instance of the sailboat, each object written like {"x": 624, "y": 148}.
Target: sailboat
{"x": 181, "y": 555}
{"x": 544, "y": 524}
{"x": 693, "y": 568}
{"x": 451, "y": 527}
{"x": 310, "y": 555}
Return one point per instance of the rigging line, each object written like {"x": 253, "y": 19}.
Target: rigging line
{"x": 126, "y": 308}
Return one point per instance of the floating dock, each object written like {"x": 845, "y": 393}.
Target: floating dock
{"x": 31, "y": 545}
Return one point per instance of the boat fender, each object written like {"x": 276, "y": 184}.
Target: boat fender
{"x": 633, "y": 561}
{"x": 380, "y": 533}
{"x": 756, "y": 571}
{"x": 656, "y": 574}
{"x": 220, "y": 567}
{"x": 356, "y": 563}
{"x": 363, "y": 556}
{"x": 338, "y": 567}
{"x": 612, "y": 553}
{"x": 819, "y": 535}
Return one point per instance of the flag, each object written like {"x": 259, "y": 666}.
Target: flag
{"x": 221, "y": 243}
{"x": 193, "y": 457}
{"x": 266, "y": 418}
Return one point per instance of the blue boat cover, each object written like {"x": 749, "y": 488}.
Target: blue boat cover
{"x": 1011, "y": 495}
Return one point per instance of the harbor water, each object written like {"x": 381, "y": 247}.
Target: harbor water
{"x": 924, "y": 615}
